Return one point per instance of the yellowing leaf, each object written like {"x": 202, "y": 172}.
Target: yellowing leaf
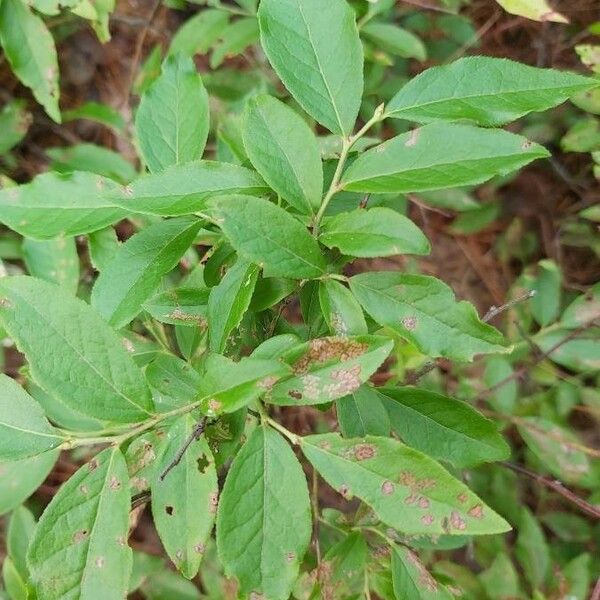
{"x": 537, "y": 10}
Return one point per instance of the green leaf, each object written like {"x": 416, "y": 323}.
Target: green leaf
{"x": 20, "y": 478}
{"x": 579, "y": 354}
{"x": 374, "y": 232}
{"x": 412, "y": 579}
{"x": 138, "y": 267}
{"x": 185, "y": 189}
{"x": 557, "y": 448}
{"x": 267, "y": 235}
{"x": 97, "y": 112}
{"x": 406, "y": 489}
{"x": 284, "y": 150}
{"x": 444, "y": 428}
{"x": 20, "y": 531}
{"x": 54, "y": 205}
{"x": 342, "y": 312}
{"x": 14, "y": 123}
{"x": 504, "y": 398}
{"x": 30, "y": 50}
{"x": 180, "y": 306}
{"x": 315, "y": 49}
{"x": 438, "y": 156}
{"x": 424, "y": 311}
{"x": 184, "y": 504}
{"x": 102, "y": 246}
{"x": 538, "y": 10}
{"x": 362, "y": 413}
{"x": 329, "y": 368}
{"x": 55, "y": 261}
{"x": 583, "y": 310}
{"x": 234, "y": 39}
{"x": 264, "y": 527}
{"x": 172, "y": 120}
{"x": 85, "y": 527}
{"x": 545, "y": 305}
{"x": 92, "y": 158}
{"x": 532, "y": 550}
{"x": 395, "y": 40}
{"x": 24, "y": 430}
{"x": 501, "y": 581}
{"x": 229, "y": 301}
{"x": 175, "y": 381}
{"x": 15, "y": 583}
{"x": 488, "y": 91}
{"x": 199, "y": 33}
{"x": 228, "y": 386}
{"x": 72, "y": 353}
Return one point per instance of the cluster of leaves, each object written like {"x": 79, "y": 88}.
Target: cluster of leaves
{"x": 178, "y": 355}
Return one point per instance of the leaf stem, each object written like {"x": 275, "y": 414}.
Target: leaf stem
{"x": 347, "y": 144}
{"x": 294, "y": 439}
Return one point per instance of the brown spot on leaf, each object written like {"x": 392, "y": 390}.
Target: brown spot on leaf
{"x": 322, "y": 350}
{"x": 213, "y": 502}
{"x": 345, "y": 491}
{"x": 79, "y": 536}
{"x": 476, "y": 512}
{"x": 462, "y": 498}
{"x": 364, "y": 451}
{"x": 92, "y": 465}
{"x": 457, "y": 522}
{"x": 290, "y": 557}
{"x": 425, "y": 579}
{"x": 114, "y": 484}
{"x": 427, "y": 519}
{"x": 295, "y": 394}
{"x": 387, "y": 488}
{"x": 202, "y": 463}
{"x": 423, "y": 502}
{"x": 200, "y": 548}
{"x": 409, "y": 323}
{"x": 169, "y": 510}
{"x": 413, "y": 138}
{"x": 84, "y": 489}
{"x": 100, "y": 562}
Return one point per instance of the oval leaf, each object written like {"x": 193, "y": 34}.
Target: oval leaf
{"x": 406, "y": 489}
{"x": 424, "y": 311}
{"x": 329, "y": 368}
{"x": 24, "y": 430}
{"x": 269, "y": 236}
{"x": 374, "y": 232}
{"x": 55, "y": 205}
{"x": 439, "y": 156}
{"x": 444, "y": 428}
{"x": 362, "y": 413}
{"x": 180, "y": 306}
{"x": 342, "y": 312}
{"x": 263, "y": 527}
{"x": 184, "y": 189}
{"x": 315, "y": 49}
{"x": 172, "y": 120}
{"x": 184, "y": 504}
{"x": 488, "y": 91}
{"x": 85, "y": 527}
{"x": 72, "y": 353}
{"x": 284, "y": 150}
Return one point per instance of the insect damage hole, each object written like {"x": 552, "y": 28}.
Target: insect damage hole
{"x": 169, "y": 510}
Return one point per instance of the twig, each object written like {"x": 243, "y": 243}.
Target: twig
{"x": 494, "y": 311}
{"x": 195, "y": 435}
{"x": 557, "y": 487}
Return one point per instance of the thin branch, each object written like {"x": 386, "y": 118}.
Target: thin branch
{"x": 493, "y": 312}
{"x": 557, "y": 487}
{"x": 194, "y": 436}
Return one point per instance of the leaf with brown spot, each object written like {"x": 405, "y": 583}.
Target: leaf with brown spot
{"x": 401, "y": 485}
{"x": 412, "y": 580}
{"x": 83, "y": 532}
{"x": 182, "y": 503}
{"x": 329, "y": 368}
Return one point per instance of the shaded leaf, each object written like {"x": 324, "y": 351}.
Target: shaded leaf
{"x": 342, "y": 312}
{"x": 180, "y": 306}
{"x": 362, "y": 413}
{"x": 538, "y": 10}
{"x": 395, "y": 40}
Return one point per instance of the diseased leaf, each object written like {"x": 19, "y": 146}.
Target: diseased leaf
{"x": 72, "y": 353}
{"x": 20, "y": 478}
{"x": 229, "y": 301}
{"x": 538, "y": 10}
{"x": 424, "y": 311}
{"x": 412, "y": 579}
{"x": 53, "y": 260}
{"x": 407, "y": 490}
{"x": 267, "y": 235}
{"x": 438, "y": 156}
{"x": 24, "y": 430}
{"x": 444, "y": 428}
{"x": 374, "y": 232}
{"x": 168, "y": 129}
{"x": 342, "y": 312}
{"x": 362, "y": 413}
{"x": 138, "y": 267}
{"x": 175, "y": 382}
{"x": 55, "y": 205}
{"x": 395, "y": 40}
{"x": 228, "y": 386}
{"x": 284, "y": 150}
{"x": 29, "y": 48}
{"x": 558, "y": 448}
{"x": 85, "y": 526}
{"x": 185, "y": 189}
{"x": 329, "y": 368}
{"x": 315, "y": 49}
{"x": 264, "y": 527}
{"x": 180, "y": 306}
{"x": 184, "y": 504}
{"x": 488, "y": 91}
